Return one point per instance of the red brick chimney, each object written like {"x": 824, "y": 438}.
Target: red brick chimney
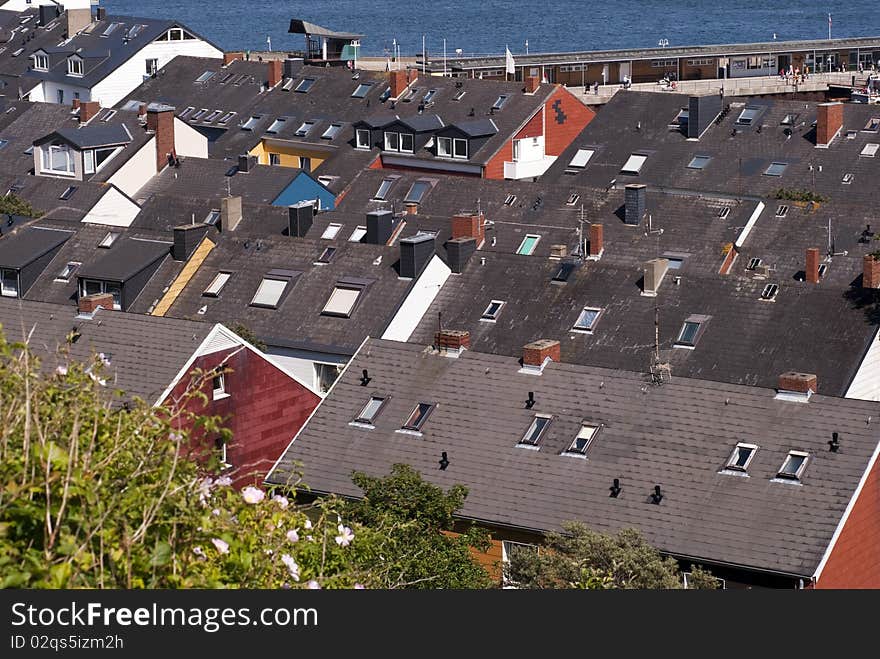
{"x": 229, "y": 58}
{"x": 452, "y": 340}
{"x": 536, "y": 352}
{"x": 468, "y": 225}
{"x": 87, "y": 110}
{"x": 802, "y": 383}
{"x": 870, "y": 272}
{"x": 76, "y": 104}
{"x": 400, "y": 80}
{"x": 411, "y": 209}
{"x": 89, "y": 303}
{"x": 829, "y": 122}
{"x": 532, "y": 84}
{"x": 596, "y": 240}
{"x": 275, "y": 74}
{"x": 812, "y": 268}
{"x": 160, "y": 121}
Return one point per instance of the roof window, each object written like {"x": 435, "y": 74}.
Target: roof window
{"x": 689, "y": 333}
{"x": 67, "y": 271}
{"x": 269, "y": 292}
{"x": 332, "y": 131}
{"x": 327, "y": 255}
{"x": 358, "y": 234}
{"x": 573, "y": 198}
{"x": 492, "y": 311}
{"x": 528, "y": 244}
{"x": 870, "y": 150}
{"x": 213, "y": 116}
{"x": 252, "y": 122}
{"x": 418, "y": 417}
{"x": 217, "y": 284}
{"x": 207, "y": 75}
{"x": 754, "y": 263}
{"x": 185, "y": 113}
{"x": 304, "y": 129}
{"x": 331, "y": 230}
{"x": 277, "y": 125}
{"x": 699, "y": 162}
{"x": 775, "y": 169}
{"x": 362, "y": 90}
{"x": 581, "y": 158}
{"x": 109, "y": 238}
{"x": 371, "y": 410}
{"x": 417, "y": 192}
{"x": 769, "y": 292}
{"x": 634, "y": 164}
{"x": 781, "y": 210}
{"x": 748, "y": 116}
{"x": 536, "y": 430}
{"x": 68, "y": 193}
{"x": 741, "y": 457}
{"x": 342, "y": 301}
{"x": 304, "y": 85}
{"x": 587, "y": 319}
{"x": 499, "y": 102}
{"x": 794, "y": 465}
{"x": 510, "y": 200}
{"x": 226, "y": 118}
{"x": 384, "y": 187}
{"x": 583, "y": 439}
{"x": 198, "y": 115}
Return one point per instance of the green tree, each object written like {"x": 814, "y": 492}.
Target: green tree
{"x": 417, "y": 546}
{"x": 582, "y": 558}
{"x": 14, "y": 205}
{"x": 247, "y": 334}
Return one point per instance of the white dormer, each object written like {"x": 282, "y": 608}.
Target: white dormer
{"x": 40, "y": 60}
{"x": 75, "y": 66}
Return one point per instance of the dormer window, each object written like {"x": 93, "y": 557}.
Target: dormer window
{"x": 362, "y": 138}
{"x": 459, "y": 148}
{"x": 444, "y": 147}
{"x": 57, "y": 159}
{"x": 8, "y": 282}
{"x": 392, "y": 141}
{"x": 94, "y": 159}
{"x": 41, "y": 62}
{"x": 96, "y": 286}
{"x": 74, "y": 66}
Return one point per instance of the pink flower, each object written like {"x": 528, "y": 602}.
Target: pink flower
{"x": 359, "y": 586}
{"x": 346, "y": 535}
{"x": 314, "y": 585}
{"x": 292, "y": 536}
{"x": 198, "y": 551}
{"x": 252, "y": 494}
{"x": 222, "y": 547}
{"x": 292, "y": 567}
{"x": 61, "y": 370}
{"x": 281, "y": 501}
{"x": 223, "y": 481}
{"x": 308, "y": 524}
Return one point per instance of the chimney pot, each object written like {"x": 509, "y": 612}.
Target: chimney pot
{"x": 412, "y": 209}
{"x": 812, "y": 267}
{"x": 90, "y": 303}
{"x": 536, "y": 353}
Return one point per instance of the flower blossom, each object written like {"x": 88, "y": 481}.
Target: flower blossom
{"x": 314, "y": 585}
{"x": 292, "y": 536}
{"x": 292, "y": 567}
{"x": 308, "y": 524}
{"x": 223, "y": 481}
{"x": 61, "y": 370}
{"x": 346, "y": 535}
{"x": 222, "y": 547}
{"x": 198, "y": 551}
{"x": 281, "y": 501}
{"x": 253, "y": 494}
{"x": 205, "y": 489}
{"x": 359, "y": 586}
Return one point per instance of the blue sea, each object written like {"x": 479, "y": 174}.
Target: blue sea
{"x": 478, "y": 27}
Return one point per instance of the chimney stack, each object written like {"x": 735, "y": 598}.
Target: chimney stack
{"x": 655, "y": 270}
{"x": 90, "y": 303}
{"x": 160, "y": 121}
{"x": 452, "y": 342}
{"x": 48, "y": 13}
{"x": 274, "y": 72}
{"x": 246, "y": 163}
{"x": 799, "y": 383}
{"x": 532, "y": 84}
{"x": 78, "y": 20}
{"x": 229, "y": 58}
{"x": 101, "y": 13}
{"x": 411, "y": 209}
{"x": 459, "y": 251}
{"x": 380, "y": 225}
{"x": 871, "y": 271}
{"x": 87, "y": 110}
{"x": 142, "y": 112}
{"x": 812, "y": 267}
{"x": 537, "y": 353}
{"x": 597, "y": 245}
{"x": 230, "y": 213}
{"x": 400, "y": 80}
{"x": 415, "y": 253}
{"x": 186, "y": 238}
{"x": 469, "y": 225}
{"x": 292, "y": 66}
{"x": 299, "y": 219}
{"x": 76, "y": 101}
{"x": 635, "y": 202}
{"x": 829, "y": 122}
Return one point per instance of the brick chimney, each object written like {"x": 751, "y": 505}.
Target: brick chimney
{"x": 400, "y": 80}
{"x": 829, "y": 122}
{"x": 532, "y": 84}
{"x": 411, "y": 209}
{"x": 597, "y": 246}
{"x": 90, "y": 303}
{"x": 229, "y": 58}
{"x": 274, "y": 72}
{"x": 812, "y": 267}
{"x": 77, "y": 20}
{"x": 160, "y": 121}
{"x": 87, "y": 110}
{"x": 76, "y": 104}
{"x": 469, "y": 225}
{"x": 452, "y": 342}
{"x": 536, "y": 354}
{"x": 142, "y": 112}
{"x": 802, "y": 383}
{"x": 870, "y": 272}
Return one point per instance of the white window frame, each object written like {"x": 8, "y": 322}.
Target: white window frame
{"x": 224, "y": 455}
{"x": 361, "y": 419}
{"x": 218, "y": 386}
{"x": 800, "y": 470}
{"x": 217, "y": 283}
{"x": 587, "y": 330}
{"x": 506, "y": 551}
{"x": 89, "y": 159}
{"x": 734, "y": 455}
{"x": 384, "y": 189}
{"x": 492, "y": 317}
{"x": 529, "y": 438}
{"x": 593, "y": 429}
{"x": 75, "y": 67}
{"x": 457, "y": 142}
{"x": 41, "y": 62}
{"x": 582, "y": 158}
{"x": 387, "y": 136}
{"x": 358, "y": 233}
{"x": 105, "y": 287}
{"x": 266, "y": 284}
{"x": 444, "y": 147}
{"x": 362, "y": 138}
{"x": 412, "y": 142}
{"x": 332, "y": 131}
{"x": 5, "y": 289}
{"x": 331, "y": 231}
{"x": 341, "y": 295}
{"x": 521, "y": 249}
{"x": 634, "y": 164}
{"x": 680, "y": 341}
{"x": 416, "y": 421}
{"x": 278, "y": 125}
{"x": 68, "y": 271}
{"x": 274, "y": 159}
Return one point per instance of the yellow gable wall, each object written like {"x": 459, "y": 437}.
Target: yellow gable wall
{"x": 290, "y": 156}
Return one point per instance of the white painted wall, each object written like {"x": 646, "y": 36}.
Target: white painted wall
{"x": 866, "y": 383}
{"x": 48, "y": 91}
{"x": 130, "y": 75}
{"x": 418, "y": 301}
{"x": 531, "y": 149}
{"x": 188, "y": 141}
{"x": 113, "y": 209}
{"x": 139, "y": 169}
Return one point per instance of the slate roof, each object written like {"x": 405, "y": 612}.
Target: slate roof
{"x": 14, "y": 67}
{"x": 43, "y": 193}
{"x": 145, "y": 352}
{"x": 678, "y": 435}
{"x": 94, "y": 136}
{"x": 123, "y": 261}
{"x": 29, "y": 244}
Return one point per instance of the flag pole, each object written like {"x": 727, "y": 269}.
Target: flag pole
{"x": 829, "y": 27}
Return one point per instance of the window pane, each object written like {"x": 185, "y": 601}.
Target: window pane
{"x": 528, "y": 245}
{"x": 461, "y": 149}
{"x": 534, "y": 432}
{"x": 742, "y": 456}
{"x": 417, "y": 191}
{"x": 269, "y": 292}
{"x": 383, "y": 189}
{"x": 688, "y": 333}
{"x": 406, "y": 142}
{"x": 392, "y": 141}
{"x": 444, "y": 146}
{"x": 342, "y": 301}
{"x": 418, "y": 416}
{"x": 370, "y": 409}
{"x": 587, "y": 318}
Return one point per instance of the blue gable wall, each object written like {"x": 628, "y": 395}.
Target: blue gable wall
{"x": 305, "y": 188}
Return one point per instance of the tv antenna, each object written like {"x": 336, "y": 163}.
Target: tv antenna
{"x": 660, "y": 371}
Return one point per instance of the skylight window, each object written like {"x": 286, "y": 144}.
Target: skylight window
{"x": 185, "y": 113}
{"x": 634, "y": 164}
{"x": 587, "y": 319}
{"x": 870, "y": 150}
{"x": 776, "y": 169}
{"x": 781, "y": 210}
{"x": 384, "y": 187}
{"x": 327, "y": 255}
{"x": 794, "y": 465}
{"x": 510, "y": 200}
{"x": 573, "y": 198}
{"x": 207, "y": 75}
{"x": 227, "y": 78}
{"x": 459, "y": 95}
{"x": 430, "y": 95}
{"x": 226, "y": 118}
{"x": 68, "y": 193}
{"x": 109, "y": 238}
{"x": 724, "y": 212}
{"x": 528, "y": 244}
{"x": 741, "y": 457}
{"x": 217, "y": 284}
{"x": 331, "y": 231}
{"x": 212, "y": 217}
{"x": 492, "y": 311}
{"x": 385, "y": 95}
{"x": 581, "y": 158}
{"x": 418, "y": 417}
{"x": 288, "y": 85}
{"x": 252, "y": 122}
{"x": 536, "y": 430}
{"x": 67, "y": 271}
{"x": 417, "y": 192}
{"x": 362, "y": 90}
{"x": 583, "y": 439}
{"x": 699, "y": 162}
{"x": 754, "y": 263}
{"x": 499, "y": 102}
{"x": 332, "y": 131}
{"x": 213, "y": 116}
{"x": 277, "y": 125}
{"x": 342, "y": 301}
{"x": 873, "y": 125}
{"x": 687, "y": 336}
{"x": 198, "y": 115}
{"x": 748, "y": 116}
{"x": 358, "y": 234}
{"x": 847, "y": 178}
{"x": 371, "y": 410}
{"x": 269, "y": 293}
{"x": 304, "y": 129}
{"x": 111, "y": 29}
{"x": 770, "y": 291}
{"x": 305, "y": 85}
{"x": 108, "y": 115}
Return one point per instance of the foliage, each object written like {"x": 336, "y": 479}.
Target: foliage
{"x": 248, "y": 335}
{"x": 790, "y": 194}
{"x": 12, "y": 204}
{"x": 582, "y": 558}
{"x": 419, "y": 547}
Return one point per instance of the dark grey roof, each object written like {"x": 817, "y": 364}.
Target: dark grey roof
{"x": 678, "y": 435}
{"x": 298, "y": 26}
{"x": 145, "y": 352}
{"x": 44, "y": 192}
{"x": 28, "y": 244}
{"x": 423, "y": 122}
{"x": 93, "y": 136}
{"x": 125, "y": 259}
{"x": 477, "y": 128}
